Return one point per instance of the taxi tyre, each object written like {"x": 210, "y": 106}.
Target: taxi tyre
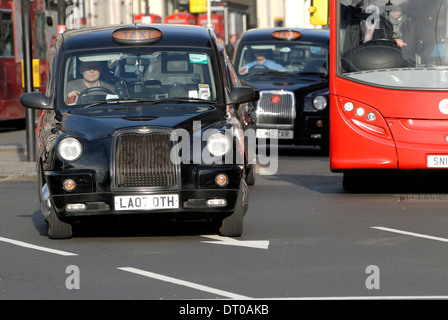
{"x": 249, "y": 169}
{"x": 56, "y": 228}
{"x": 325, "y": 149}
{"x": 250, "y": 174}
{"x": 232, "y": 226}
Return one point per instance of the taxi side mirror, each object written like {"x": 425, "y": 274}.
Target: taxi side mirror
{"x": 244, "y": 94}
{"x": 36, "y": 100}
{"x": 319, "y": 12}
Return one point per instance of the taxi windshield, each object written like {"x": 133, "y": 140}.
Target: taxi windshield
{"x": 282, "y": 57}
{"x": 150, "y": 75}
{"x": 394, "y": 43}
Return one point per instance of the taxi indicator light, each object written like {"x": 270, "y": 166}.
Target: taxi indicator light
{"x": 137, "y": 35}
{"x": 286, "y": 35}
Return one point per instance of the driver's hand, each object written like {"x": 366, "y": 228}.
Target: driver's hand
{"x": 73, "y": 93}
{"x": 401, "y": 43}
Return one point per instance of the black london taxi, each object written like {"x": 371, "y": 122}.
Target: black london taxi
{"x": 142, "y": 121}
{"x": 290, "y": 69}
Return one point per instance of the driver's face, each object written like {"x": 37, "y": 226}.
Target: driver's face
{"x": 91, "y": 71}
{"x": 260, "y": 56}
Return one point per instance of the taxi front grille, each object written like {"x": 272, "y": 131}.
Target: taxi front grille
{"x": 143, "y": 160}
{"x": 276, "y": 108}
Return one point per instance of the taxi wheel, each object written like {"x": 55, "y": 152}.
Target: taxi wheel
{"x": 58, "y": 229}
{"x": 232, "y": 226}
{"x": 325, "y": 149}
{"x": 250, "y": 174}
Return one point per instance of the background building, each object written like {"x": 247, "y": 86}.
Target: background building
{"x": 257, "y": 13}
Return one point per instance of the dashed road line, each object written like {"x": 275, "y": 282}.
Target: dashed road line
{"x": 184, "y": 283}
{"x": 34, "y": 247}
{"x": 419, "y": 235}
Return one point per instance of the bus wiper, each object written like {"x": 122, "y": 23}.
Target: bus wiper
{"x": 119, "y": 100}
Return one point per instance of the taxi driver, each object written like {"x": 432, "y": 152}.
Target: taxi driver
{"x": 91, "y": 72}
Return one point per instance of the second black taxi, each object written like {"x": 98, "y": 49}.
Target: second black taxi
{"x": 142, "y": 121}
{"x": 290, "y": 68}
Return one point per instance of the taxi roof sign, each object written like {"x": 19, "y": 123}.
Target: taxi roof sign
{"x": 286, "y": 35}
{"x": 137, "y": 35}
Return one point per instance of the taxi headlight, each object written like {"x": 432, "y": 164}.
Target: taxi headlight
{"x": 70, "y": 149}
{"x": 218, "y": 144}
{"x": 319, "y": 102}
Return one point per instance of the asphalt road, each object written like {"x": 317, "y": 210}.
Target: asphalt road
{"x": 304, "y": 238}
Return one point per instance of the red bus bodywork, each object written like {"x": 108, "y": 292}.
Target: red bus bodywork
{"x": 217, "y": 20}
{"x": 153, "y": 18}
{"x": 410, "y": 125}
{"x": 10, "y": 64}
{"x": 181, "y": 18}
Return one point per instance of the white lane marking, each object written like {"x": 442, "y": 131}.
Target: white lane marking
{"x": 411, "y": 234}
{"x": 361, "y": 298}
{"x": 34, "y": 247}
{"x": 183, "y": 283}
{"x": 257, "y": 244}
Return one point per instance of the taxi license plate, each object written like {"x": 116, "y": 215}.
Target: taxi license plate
{"x": 274, "y": 133}
{"x": 437, "y": 161}
{"x": 147, "y": 202}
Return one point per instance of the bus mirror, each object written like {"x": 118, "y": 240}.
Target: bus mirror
{"x": 318, "y": 12}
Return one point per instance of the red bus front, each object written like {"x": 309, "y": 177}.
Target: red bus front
{"x": 388, "y": 85}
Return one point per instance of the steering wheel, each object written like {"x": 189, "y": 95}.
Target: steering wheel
{"x": 258, "y": 67}
{"x": 381, "y": 42}
{"x": 95, "y": 89}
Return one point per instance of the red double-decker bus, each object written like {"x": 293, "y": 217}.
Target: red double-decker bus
{"x": 11, "y": 53}
{"x": 388, "y": 86}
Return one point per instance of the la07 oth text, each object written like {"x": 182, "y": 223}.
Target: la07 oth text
{"x": 230, "y": 309}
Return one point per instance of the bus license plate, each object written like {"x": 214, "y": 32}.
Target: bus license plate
{"x": 147, "y": 202}
{"x": 275, "y": 133}
{"x": 440, "y": 161}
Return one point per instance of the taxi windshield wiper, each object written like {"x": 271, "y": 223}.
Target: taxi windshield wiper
{"x": 119, "y": 100}
{"x": 183, "y": 99}
{"x": 320, "y": 74}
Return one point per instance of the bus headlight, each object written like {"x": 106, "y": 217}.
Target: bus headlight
{"x": 218, "y": 144}
{"x": 70, "y": 149}
{"x": 319, "y": 102}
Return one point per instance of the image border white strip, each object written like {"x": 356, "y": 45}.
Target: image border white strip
{"x": 34, "y": 247}
{"x": 184, "y": 283}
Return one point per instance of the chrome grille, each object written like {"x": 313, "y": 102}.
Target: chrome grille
{"x": 276, "y": 108}
{"x": 143, "y": 160}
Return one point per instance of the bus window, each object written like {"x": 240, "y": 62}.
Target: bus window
{"x": 6, "y": 34}
{"x": 41, "y": 41}
{"x": 396, "y": 43}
